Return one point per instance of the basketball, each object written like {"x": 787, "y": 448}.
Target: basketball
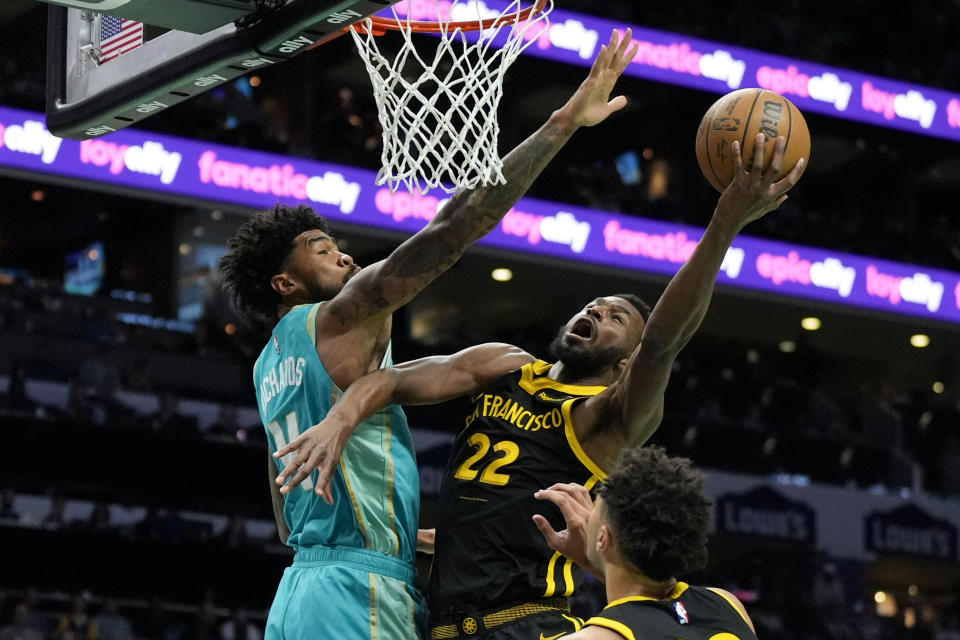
{"x": 741, "y": 115}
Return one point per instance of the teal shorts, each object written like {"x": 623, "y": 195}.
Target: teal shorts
{"x": 353, "y": 594}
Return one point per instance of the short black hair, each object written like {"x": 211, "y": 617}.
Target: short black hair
{"x": 258, "y": 251}
{"x": 637, "y": 302}
{"x": 659, "y": 513}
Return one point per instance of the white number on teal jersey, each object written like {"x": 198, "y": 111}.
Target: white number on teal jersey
{"x": 293, "y": 430}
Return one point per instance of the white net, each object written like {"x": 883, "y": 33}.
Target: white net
{"x": 438, "y": 105}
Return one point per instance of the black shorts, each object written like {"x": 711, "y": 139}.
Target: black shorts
{"x": 546, "y": 625}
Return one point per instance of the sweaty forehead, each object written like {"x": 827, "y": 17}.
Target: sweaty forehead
{"x": 617, "y": 304}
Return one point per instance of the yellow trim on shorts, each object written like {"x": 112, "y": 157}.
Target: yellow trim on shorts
{"x": 413, "y": 610}
{"x": 566, "y": 408}
{"x": 445, "y": 632}
{"x": 577, "y": 622}
{"x": 613, "y": 625}
{"x": 373, "y": 608}
{"x": 568, "y": 563}
{"x": 532, "y": 384}
{"x": 732, "y": 604}
{"x": 551, "y": 583}
{"x": 568, "y": 576}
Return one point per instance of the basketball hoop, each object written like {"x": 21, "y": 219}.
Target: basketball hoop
{"x": 439, "y": 111}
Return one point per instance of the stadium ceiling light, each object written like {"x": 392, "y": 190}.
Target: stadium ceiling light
{"x": 880, "y": 597}
{"x": 920, "y": 340}
{"x": 788, "y": 346}
{"x": 938, "y": 387}
{"x": 810, "y": 323}
{"x": 502, "y": 274}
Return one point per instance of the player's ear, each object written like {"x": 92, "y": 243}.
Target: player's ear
{"x": 604, "y": 538}
{"x": 283, "y": 284}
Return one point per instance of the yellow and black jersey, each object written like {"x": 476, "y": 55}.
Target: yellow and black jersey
{"x": 518, "y": 439}
{"x": 696, "y": 613}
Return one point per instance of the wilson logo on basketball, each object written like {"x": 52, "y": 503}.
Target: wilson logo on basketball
{"x": 770, "y": 123}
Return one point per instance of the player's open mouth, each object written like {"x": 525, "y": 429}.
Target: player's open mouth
{"x": 582, "y": 328}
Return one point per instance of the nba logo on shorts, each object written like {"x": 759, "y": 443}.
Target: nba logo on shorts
{"x": 681, "y": 612}
{"x": 276, "y": 343}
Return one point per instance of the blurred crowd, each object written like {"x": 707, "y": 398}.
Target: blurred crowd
{"x": 816, "y": 605}
{"x": 32, "y": 615}
{"x": 115, "y": 374}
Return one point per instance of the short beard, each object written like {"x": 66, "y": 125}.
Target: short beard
{"x": 583, "y": 363}
{"x": 321, "y": 293}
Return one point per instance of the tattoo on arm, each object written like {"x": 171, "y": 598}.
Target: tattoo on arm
{"x": 484, "y": 207}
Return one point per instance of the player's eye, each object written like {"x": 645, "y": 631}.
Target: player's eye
{"x": 618, "y": 319}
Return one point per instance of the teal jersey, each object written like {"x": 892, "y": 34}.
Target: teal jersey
{"x": 376, "y": 488}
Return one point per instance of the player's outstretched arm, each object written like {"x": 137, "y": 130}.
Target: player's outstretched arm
{"x": 381, "y": 288}
{"x": 634, "y": 403}
{"x": 424, "y": 381}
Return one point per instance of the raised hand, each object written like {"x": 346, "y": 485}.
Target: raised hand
{"x": 576, "y": 506}
{"x": 320, "y": 448}
{"x": 754, "y": 192}
{"x": 591, "y": 104}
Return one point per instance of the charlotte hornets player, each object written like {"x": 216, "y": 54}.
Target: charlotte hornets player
{"x": 355, "y": 539}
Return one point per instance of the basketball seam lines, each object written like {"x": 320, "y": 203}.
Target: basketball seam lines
{"x": 789, "y": 125}
{"x": 746, "y": 124}
{"x": 709, "y": 155}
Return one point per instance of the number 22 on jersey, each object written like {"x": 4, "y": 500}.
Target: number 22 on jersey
{"x": 281, "y": 439}
{"x": 490, "y": 475}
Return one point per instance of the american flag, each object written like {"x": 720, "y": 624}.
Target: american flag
{"x": 118, "y": 35}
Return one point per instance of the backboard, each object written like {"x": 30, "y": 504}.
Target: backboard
{"x": 206, "y": 44}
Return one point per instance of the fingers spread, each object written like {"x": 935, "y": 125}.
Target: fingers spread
{"x": 622, "y": 43}
{"x": 555, "y": 496}
{"x": 737, "y": 158}
{"x": 776, "y": 163}
{"x": 790, "y": 179}
{"x": 551, "y": 536}
{"x": 627, "y": 59}
{"x": 324, "y": 476}
{"x": 758, "y": 153}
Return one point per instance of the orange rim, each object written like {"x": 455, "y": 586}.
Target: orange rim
{"x": 382, "y": 25}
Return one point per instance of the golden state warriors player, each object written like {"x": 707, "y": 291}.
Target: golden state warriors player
{"x": 535, "y": 424}
{"x": 649, "y": 526}
{"x": 355, "y": 537}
